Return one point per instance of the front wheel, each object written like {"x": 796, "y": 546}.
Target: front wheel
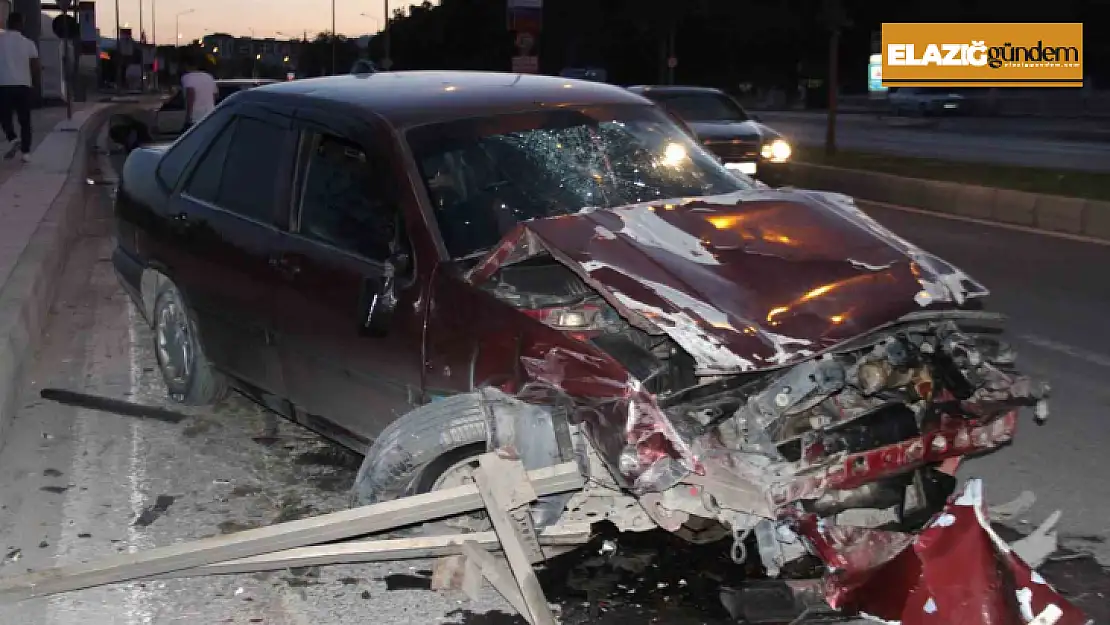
{"x": 433, "y": 447}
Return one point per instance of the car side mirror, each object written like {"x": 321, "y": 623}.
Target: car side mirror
{"x": 380, "y": 295}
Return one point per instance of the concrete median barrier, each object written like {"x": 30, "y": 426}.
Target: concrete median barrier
{"x": 1054, "y": 213}
{"x": 41, "y": 212}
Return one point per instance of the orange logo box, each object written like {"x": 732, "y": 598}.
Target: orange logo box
{"x": 982, "y": 55}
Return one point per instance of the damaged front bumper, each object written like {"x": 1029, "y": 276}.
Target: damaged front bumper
{"x": 957, "y": 570}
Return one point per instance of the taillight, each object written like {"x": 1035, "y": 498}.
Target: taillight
{"x": 577, "y": 318}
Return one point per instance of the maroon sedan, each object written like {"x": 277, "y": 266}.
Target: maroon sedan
{"x": 396, "y": 259}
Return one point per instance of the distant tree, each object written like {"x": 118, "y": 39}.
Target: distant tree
{"x": 316, "y": 55}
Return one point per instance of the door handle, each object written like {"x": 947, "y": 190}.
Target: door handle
{"x": 289, "y": 266}
{"x": 182, "y": 223}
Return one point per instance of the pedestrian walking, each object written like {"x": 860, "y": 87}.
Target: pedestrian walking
{"x": 200, "y": 91}
{"x": 20, "y": 73}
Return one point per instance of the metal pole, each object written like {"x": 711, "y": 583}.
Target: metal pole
{"x": 67, "y": 69}
{"x": 119, "y": 55}
{"x": 333, "y": 37}
{"x": 142, "y": 53}
{"x": 387, "y": 62}
{"x": 154, "y": 40}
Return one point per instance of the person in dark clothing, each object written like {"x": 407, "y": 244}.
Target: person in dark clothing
{"x": 19, "y": 73}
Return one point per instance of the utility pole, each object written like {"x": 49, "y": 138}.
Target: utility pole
{"x": 142, "y": 52}
{"x": 835, "y": 19}
{"x": 119, "y": 55}
{"x": 333, "y": 37}
{"x": 154, "y": 42}
{"x": 387, "y": 61}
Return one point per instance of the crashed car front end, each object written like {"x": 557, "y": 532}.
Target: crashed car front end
{"x": 848, "y": 375}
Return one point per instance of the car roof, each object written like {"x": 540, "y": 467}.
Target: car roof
{"x": 674, "y": 89}
{"x": 413, "y": 98}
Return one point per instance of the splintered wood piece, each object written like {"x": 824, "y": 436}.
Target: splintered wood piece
{"x": 326, "y": 528}
{"x": 447, "y": 573}
{"x": 499, "y": 576}
{"x": 556, "y": 539}
{"x": 504, "y": 486}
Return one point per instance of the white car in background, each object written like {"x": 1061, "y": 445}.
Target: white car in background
{"x": 170, "y": 117}
{"x": 166, "y": 121}
{"x": 925, "y": 101}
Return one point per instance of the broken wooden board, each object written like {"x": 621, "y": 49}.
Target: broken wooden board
{"x": 505, "y": 487}
{"x": 499, "y": 577}
{"x": 326, "y": 528}
{"x": 554, "y": 538}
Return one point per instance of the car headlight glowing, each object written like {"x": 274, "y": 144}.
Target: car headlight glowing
{"x": 776, "y": 151}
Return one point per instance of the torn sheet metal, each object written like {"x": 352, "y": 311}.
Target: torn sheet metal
{"x": 743, "y": 282}
{"x": 957, "y": 570}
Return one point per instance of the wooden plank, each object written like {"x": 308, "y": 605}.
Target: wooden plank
{"x": 504, "y": 485}
{"x": 379, "y": 550}
{"x": 332, "y": 527}
{"x": 499, "y": 577}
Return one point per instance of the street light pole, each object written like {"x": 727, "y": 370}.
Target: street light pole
{"x": 154, "y": 41}
{"x": 119, "y": 55}
{"x": 142, "y": 53}
{"x": 387, "y": 62}
{"x": 177, "y": 30}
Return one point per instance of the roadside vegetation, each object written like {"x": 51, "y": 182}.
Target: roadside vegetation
{"x": 1083, "y": 184}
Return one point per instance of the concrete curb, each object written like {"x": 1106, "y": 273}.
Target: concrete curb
{"x": 27, "y": 291}
{"x": 1077, "y": 216}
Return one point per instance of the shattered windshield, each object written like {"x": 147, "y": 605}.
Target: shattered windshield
{"x": 486, "y": 175}
{"x": 702, "y": 107}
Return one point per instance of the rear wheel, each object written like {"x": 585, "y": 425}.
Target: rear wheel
{"x": 190, "y": 379}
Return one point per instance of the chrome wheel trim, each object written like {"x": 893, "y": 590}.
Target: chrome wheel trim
{"x": 174, "y": 342}
{"x": 459, "y": 474}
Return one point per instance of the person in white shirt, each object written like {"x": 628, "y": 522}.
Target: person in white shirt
{"x": 200, "y": 92}
{"x": 19, "y": 75}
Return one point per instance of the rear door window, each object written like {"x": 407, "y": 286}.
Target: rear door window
{"x": 204, "y": 184}
{"x": 242, "y": 170}
{"x": 185, "y": 149}
{"x": 249, "y": 182}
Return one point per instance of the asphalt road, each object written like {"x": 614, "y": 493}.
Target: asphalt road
{"x": 76, "y": 484}
{"x": 956, "y": 140}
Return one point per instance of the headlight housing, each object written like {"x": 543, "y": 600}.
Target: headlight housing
{"x": 777, "y": 151}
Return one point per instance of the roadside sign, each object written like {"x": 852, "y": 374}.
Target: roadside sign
{"x": 65, "y": 27}
{"x": 875, "y": 76}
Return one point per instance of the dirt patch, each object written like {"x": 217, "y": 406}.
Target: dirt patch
{"x": 231, "y": 527}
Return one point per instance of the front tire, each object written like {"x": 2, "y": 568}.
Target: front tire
{"x": 189, "y": 377}
{"x": 412, "y": 455}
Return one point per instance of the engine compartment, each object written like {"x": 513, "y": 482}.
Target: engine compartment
{"x": 927, "y": 373}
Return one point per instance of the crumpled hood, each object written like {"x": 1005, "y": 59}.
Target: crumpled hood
{"x": 747, "y": 281}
